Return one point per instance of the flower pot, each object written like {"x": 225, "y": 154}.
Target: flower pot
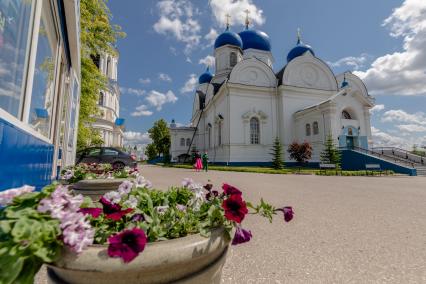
{"x": 192, "y": 259}
{"x": 95, "y": 188}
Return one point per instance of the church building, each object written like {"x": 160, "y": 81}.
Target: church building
{"x": 239, "y": 111}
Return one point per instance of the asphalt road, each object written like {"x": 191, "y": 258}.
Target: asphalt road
{"x": 345, "y": 230}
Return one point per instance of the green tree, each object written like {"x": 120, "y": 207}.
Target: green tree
{"x": 277, "y": 160}
{"x": 160, "y": 136}
{"x": 330, "y": 153}
{"x": 97, "y": 35}
{"x": 151, "y": 151}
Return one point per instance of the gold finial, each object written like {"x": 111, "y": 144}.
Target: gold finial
{"x": 227, "y": 20}
{"x": 299, "y": 36}
{"x": 247, "y": 18}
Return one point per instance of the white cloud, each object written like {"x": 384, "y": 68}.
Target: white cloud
{"x": 402, "y": 73}
{"x": 208, "y": 61}
{"x": 157, "y": 99}
{"x": 236, "y": 8}
{"x": 144, "y": 80}
{"x": 377, "y": 108}
{"x": 136, "y": 138}
{"x": 411, "y": 128}
{"x": 211, "y": 36}
{"x": 355, "y": 63}
{"x": 190, "y": 84}
{"x": 164, "y": 77}
{"x": 402, "y": 116}
{"x": 142, "y": 110}
{"x": 382, "y": 138}
{"x": 132, "y": 91}
{"x": 177, "y": 19}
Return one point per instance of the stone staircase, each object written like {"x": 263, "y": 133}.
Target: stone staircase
{"x": 421, "y": 170}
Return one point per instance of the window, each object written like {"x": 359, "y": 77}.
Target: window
{"x": 188, "y": 141}
{"x": 108, "y": 69}
{"x": 96, "y": 59}
{"x": 73, "y": 113}
{"x": 308, "y": 129}
{"x": 41, "y": 106}
{"x": 219, "y": 134}
{"x": 346, "y": 115}
{"x": 315, "y": 127}
{"x": 254, "y": 130}
{"x": 233, "y": 59}
{"x": 350, "y": 132}
{"x": 14, "y": 29}
{"x": 209, "y": 133}
{"x": 94, "y": 152}
{"x": 101, "y": 99}
{"x": 182, "y": 142}
{"x": 110, "y": 152}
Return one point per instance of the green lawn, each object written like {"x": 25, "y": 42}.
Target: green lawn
{"x": 267, "y": 170}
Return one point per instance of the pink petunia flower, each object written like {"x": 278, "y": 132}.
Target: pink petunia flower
{"x": 7, "y": 196}
{"x": 241, "y": 236}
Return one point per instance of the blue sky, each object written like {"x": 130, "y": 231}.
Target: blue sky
{"x": 382, "y": 41}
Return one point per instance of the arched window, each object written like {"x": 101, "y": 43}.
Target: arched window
{"x": 188, "y": 141}
{"x": 219, "y": 133}
{"x": 346, "y": 115}
{"x": 308, "y": 129}
{"x": 254, "y": 130}
{"x": 233, "y": 59}
{"x": 101, "y": 99}
{"x": 182, "y": 142}
{"x": 315, "y": 127}
{"x": 210, "y": 135}
{"x": 108, "y": 69}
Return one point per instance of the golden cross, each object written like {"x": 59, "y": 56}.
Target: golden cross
{"x": 227, "y": 20}
{"x": 299, "y": 37}
{"x": 247, "y": 17}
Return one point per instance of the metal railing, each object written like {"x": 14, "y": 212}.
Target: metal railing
{"x": 394, "y": 159}
{"x": 417, "y": 159}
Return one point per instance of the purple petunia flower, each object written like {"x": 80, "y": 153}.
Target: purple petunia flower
{"x": 127, "y": 245}
{"x": 113, "y": 211}
{"x": 241, "y": 236}
{"x": 288, "y": 213}
{"x": 125, "y": 187}
{"x": 137, "y": 218}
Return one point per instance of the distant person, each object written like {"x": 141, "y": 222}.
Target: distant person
{"x": 198, "y": 163}
{"x": 205, "y": 162}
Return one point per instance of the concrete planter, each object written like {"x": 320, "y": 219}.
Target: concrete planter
{"x": 192, "y": 259}
{"x": 95, "y": 188}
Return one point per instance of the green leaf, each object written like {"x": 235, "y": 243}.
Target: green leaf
{"x": 30, "y": 268}
{"x": 10, "y": 268}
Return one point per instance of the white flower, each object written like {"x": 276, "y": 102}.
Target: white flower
{"x": 113, "y": 196}
{"x": 162, "y": 209}
{"x": 142, "y": 182}
{"x": 7, "y": 196}
{"x": 132, "y": 202}
{"x": 125, "y": 187}
{"x": 187, "y": 182}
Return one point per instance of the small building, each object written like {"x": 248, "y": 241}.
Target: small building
{"x": 39, "y": 89}
{"x": 108, "y": 123}
{"x": 181, "y": 138}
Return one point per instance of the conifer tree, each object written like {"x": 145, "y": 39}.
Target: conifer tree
{"x": 277, "y": 160}
{"x": 330, "y": 154}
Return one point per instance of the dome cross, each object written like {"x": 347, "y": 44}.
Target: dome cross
{"x": 228, "y": 17}
{"x": 247, "y": 18}
{"x": 299, "y": 36}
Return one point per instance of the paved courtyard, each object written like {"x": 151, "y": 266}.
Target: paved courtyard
{"x": 345, "y": 230}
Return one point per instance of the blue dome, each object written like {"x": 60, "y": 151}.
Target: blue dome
{"x": 255, "y": 39}
{"x": 299, "y": 50}
{"x": 206, "y": 77}
{"x": 228, "y": 37}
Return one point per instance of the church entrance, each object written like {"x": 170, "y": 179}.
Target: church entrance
{"x": 350, "y": 142}
{"x": 349, "y": 137}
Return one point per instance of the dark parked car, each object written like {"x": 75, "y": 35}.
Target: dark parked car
{"x": 106, "y": 155}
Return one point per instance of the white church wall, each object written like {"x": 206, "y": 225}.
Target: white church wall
{"x": 291, "y": 100}
{"x": 253, "y": 72}
{"x": 307, "y": 71}
{"x": 247, "y": 102}
{"x": 264, "y": 56}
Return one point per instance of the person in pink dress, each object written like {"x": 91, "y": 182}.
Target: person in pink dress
{"x": 198, "y": 163}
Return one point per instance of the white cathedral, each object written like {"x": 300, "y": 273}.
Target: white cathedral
{"x": 239, "y": 111}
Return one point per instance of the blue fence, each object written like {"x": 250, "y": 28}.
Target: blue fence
{"x": 24, "y": 159}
